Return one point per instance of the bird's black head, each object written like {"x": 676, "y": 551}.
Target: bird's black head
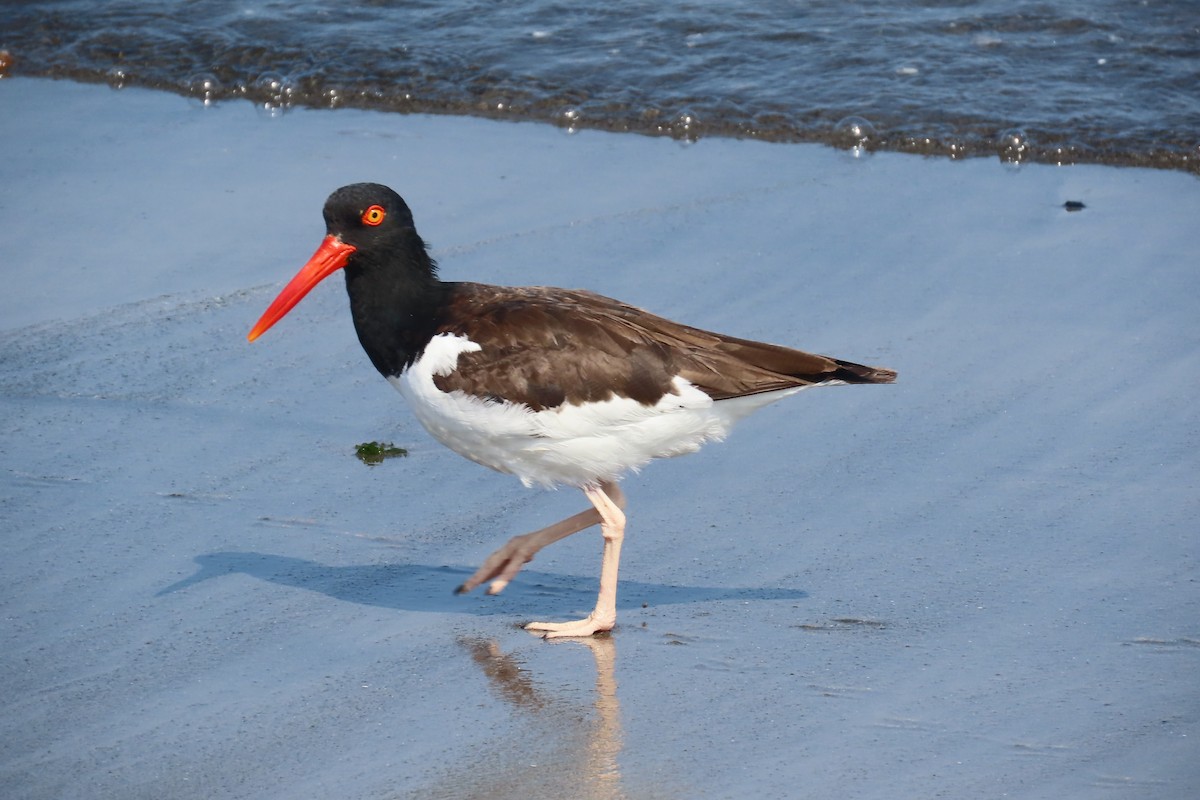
{"x": 370, "y": 234}
{"x": 368, "y": 216}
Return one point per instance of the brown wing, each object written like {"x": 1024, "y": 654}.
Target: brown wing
{"x": 544, "y": 346}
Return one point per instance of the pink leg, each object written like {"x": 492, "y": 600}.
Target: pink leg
{"x": 504, "y": 564}
{"x": 608, "y": 500}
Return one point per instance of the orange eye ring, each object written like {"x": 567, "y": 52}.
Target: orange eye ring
{"x": 373, "y": 215}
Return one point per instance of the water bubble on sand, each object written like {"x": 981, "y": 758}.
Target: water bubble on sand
{"x": 1013, "y": 147}
{"x": 270, "y": 82}
{"x": 1063, "y": 154}
{"x": 685, "y": 126}
{"x": 272, "y": 94}
{"x": 856, "y": 135}
{"x": 333, "y": 96}
{"x": 569, "y": 119}
{"x": 925, "y": 145}
{"x": 117, "y": 77}
{"x": 204, "y": 88}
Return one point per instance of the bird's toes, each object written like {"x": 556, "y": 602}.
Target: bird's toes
{"x": 588, "y": 626}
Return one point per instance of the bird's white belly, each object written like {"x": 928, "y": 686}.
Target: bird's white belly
{"x": 574, "y": 445}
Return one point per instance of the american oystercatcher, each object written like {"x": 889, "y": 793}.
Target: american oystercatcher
{"x": 555, "y": 386}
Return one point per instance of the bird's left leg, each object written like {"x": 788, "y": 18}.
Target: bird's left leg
{"x": 608, "y": 500}
{"x": 504, "y": 564}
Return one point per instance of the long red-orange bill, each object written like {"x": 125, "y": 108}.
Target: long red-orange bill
{"x": 329, "y": 258}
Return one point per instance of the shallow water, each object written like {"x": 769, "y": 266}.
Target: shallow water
{"x": 1083, "y": 80}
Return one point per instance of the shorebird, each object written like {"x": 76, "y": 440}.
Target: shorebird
{"x": 555, "y": 386}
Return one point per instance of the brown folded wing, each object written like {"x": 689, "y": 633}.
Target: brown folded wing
{"x": 544, "y": 346}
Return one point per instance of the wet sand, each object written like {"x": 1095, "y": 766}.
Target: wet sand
{"x": 979, "y": 582}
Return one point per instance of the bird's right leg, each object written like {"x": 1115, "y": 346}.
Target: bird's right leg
{"x": 504, "y": 564}
{"x": 612, "y": 527}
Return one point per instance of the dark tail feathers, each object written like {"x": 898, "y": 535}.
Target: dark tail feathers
{"x": 850, "y": 372}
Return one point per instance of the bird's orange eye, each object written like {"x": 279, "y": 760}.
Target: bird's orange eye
{"x": 373, "y": 215}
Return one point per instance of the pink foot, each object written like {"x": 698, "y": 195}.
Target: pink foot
{"x": 580, "y": 627}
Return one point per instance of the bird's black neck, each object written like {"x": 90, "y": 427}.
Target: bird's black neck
{"x": 397, "y": 304}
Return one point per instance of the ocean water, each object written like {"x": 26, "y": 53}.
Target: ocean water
{"x": 1112, "y": 81}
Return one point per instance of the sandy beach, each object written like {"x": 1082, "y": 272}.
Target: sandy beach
{"x": 980, "y": 582}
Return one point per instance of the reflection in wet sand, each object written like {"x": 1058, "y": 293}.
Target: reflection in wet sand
{"x": 558, "y": 748}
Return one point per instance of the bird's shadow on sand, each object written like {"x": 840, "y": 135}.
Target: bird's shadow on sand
{"x": 419, "y": 587}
